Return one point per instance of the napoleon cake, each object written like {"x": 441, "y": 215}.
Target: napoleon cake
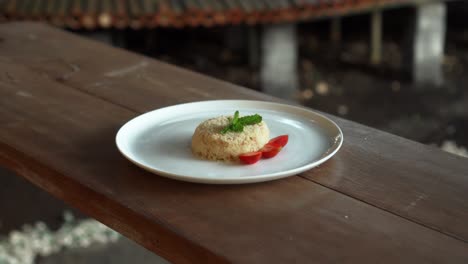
{"x": 224, "y": 138}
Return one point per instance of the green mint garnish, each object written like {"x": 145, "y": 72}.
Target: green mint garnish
{"x": 237, "y": 123}
{"x": 236, "y": 117}
{"x": 250, "y": 120}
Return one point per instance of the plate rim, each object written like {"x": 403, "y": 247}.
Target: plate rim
{"x": 233, "y": 180}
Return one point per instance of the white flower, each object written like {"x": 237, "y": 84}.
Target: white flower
{"x": 22, "y": 247}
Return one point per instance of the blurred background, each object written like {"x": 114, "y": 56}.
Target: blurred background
{"x": 397, "y": 65}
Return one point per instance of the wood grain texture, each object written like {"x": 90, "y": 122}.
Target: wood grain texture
{"x": 418, "y": 182}
{"x": 59, "y": 112}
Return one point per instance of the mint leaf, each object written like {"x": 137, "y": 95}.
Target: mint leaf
{"x": 236, "y": 118}
{"x": 225, "y": 130}
{"x": 238, "y": 127}
{"x": 237, "y": 123}
{"x": 250, "y": 120}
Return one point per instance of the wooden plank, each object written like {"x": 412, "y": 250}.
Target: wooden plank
{"x": 412, "y": 180}
{"x": 116, "y": 74}
{"x": 63, "y": 140}
{"x": 380, "y": 169}
{"x": 75, "y": 134}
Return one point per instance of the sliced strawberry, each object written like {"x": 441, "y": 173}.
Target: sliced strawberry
{"x": 269, "y": 150}
{"x": 251, "y": 157}
{"x": 279, "y": 141}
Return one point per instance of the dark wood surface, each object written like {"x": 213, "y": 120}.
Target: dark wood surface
{"x": 382, "y": 198}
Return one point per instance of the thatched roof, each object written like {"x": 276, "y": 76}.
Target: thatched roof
{"x": 93, "y": 14}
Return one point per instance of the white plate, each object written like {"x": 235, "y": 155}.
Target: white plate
{"x": 159, "y": 141}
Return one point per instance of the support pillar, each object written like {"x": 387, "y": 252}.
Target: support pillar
{"x": 335, "y": 39}
{"x": 279, "y": 50}
{"x": 234, "y": 38}
{"x": 428, "y": 43}
{"x": 253, "y": 42}
{"x": 335, "y": 31}
{"x": 376, "y": 37}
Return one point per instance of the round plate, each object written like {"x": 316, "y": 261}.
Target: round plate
{"x": 159, "y": 141}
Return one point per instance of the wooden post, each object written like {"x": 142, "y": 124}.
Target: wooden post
{"x": 335, "y": 31}
{"x": 151, "y": 42}
{"x": 335, "y": 38}
{"x": 253, "y": 46}
{"x": 376, "y": 37}
{"x": 279, "y": 60}
{"x": 234, "y": 38}
{"x": 428, "y": 43}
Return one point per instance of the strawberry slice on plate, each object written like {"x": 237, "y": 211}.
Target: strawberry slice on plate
{"x": 279, "y": 141}
{"x": 251, "y": 157}
{"x": 269, "y": 150}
